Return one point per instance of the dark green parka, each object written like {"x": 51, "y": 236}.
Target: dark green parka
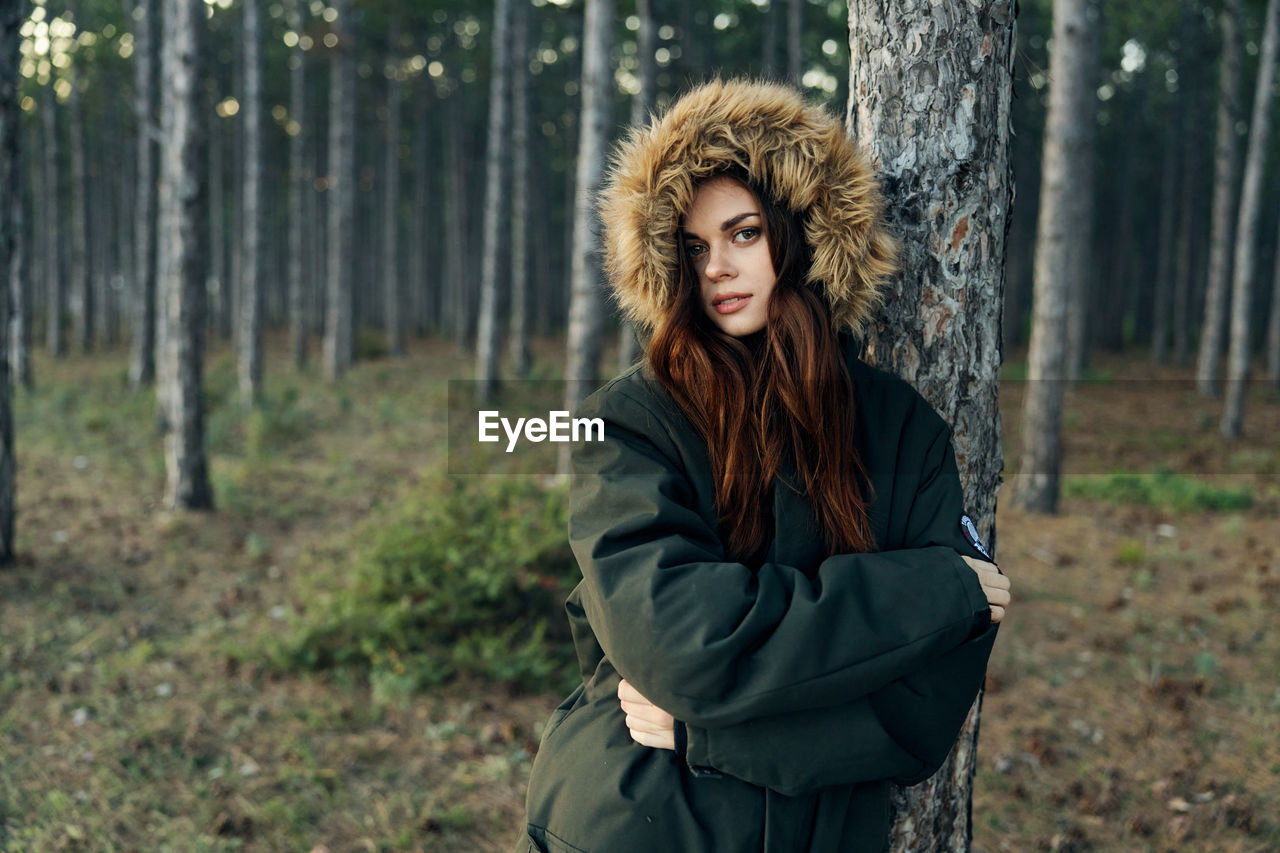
{"x": 801, "y": 686}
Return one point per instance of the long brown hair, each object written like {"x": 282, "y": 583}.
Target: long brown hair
{"x": 756, "y": 400}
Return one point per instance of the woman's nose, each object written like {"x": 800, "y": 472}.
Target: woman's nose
{"x": 718, "y": 264}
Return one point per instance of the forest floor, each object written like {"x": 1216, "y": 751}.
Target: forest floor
{"x": 1133, "y": 698}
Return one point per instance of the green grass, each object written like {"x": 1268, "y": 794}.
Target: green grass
{"x": 1163, "y": 488}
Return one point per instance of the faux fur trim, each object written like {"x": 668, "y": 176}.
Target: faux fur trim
{"x": 799, "y": 153}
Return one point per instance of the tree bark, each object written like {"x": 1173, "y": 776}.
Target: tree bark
{"x": 142, "y": 360}
{"x": 937, "y": 120}
{"x": 424, "y": 277}
{"x": 81, "y": 279}
{"x": 1057, "y": 262}
{"x": 1245, "y": 265}
{"x": 491, "y": 298}
{"x": 55, "y": 340}
{"x": 1226, "y": 164}
{"x": 1273, "y": 325}
{"x": 12, "y": 13}
{"x": 518, "y": 352}
{"x": 298, "y": 120}
{"x": 249, "y": 336}
{"x": 339, "y": 340}
{"x": 1083, "y": 257}
{"x": 586, "y": 307}
{"x": 182, "y": 253}
{"x": 391, "y": 288}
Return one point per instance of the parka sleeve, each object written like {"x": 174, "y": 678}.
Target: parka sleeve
{"x": 714, "y": 643}
{"x": 902, "y": 731}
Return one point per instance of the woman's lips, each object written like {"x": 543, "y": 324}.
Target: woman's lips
{"x": 730, "y": 302}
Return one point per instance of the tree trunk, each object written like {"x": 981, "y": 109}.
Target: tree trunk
{"x": 1245, "y": 265}
{"x": 12, "y": 14}
{"x": 392, "y": 297}
{"x": 1057, "y": 263}
{"x": 424, "y": 277}
{"x": 1273, "y": 325}
{"x": 81, "y": 279}
{"x": 142, "y": 362}
{"x": 586, "y": 310}
{"x": 518, "y": 352}
{"x": 641, "y": 106}
{"x": 249, "y": 335}
{"x": 298, "y": 120}
{"x": 1083, "y": 258}
{"x": 491, "y": 298}
{"x": 182, "y": 253}
{"x": 55, "y": 340}
{"x": 769, "y": 49}
{"x": 795, "y": 43}
{"x": 1226, "y": 163}
{"x": 339, "y": 340}
{"x": 455, "y": 256}
{"x": 945, "y": 148}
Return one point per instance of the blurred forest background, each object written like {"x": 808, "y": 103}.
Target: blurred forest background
{"x": 356, "y": 650}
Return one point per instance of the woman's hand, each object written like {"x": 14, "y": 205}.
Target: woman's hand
{"x": 994, "y": 584}
{"x": 649, "y": 724}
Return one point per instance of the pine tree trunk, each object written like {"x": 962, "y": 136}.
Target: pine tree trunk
{"x": 1245, "y": 265}
{"x": 518, "y": 350}
{"x": 424, "y": 279}
{"x": 142, "y": 364}
{"x": 12, "y": 13}
{"x": 1083, "y": 258}
{"x": 586, "y": 310}
{"x": 20, "y": 286}
{"x": 298, "y": 120}
{"x": 182, "y": 252}
{"x": 769, "y": 49}
{"x": 491, "y": 298}
{"x": 940, "y": 330}
{"x": 55, "y": 340}
{"x": 339, "y": 338}
{"x": 795, "y": 33}
{"x": 80, "y": 274}
{"x": 249, "y": 335}
{"x": 457, "y": 216}
{"x": 1226, "y": 164}
{"x": 1055, "y": 267}
{"x": 1273, "y": 325}
{"x": 391, "y": 288}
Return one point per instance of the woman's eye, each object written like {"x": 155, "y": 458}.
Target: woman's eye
{"x": 694, "y": 249}
{"x": 746, "y": 234}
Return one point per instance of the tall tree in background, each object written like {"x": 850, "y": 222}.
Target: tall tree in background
{"x": 586, "y": 307}
{"x": 1246, "y": 251}
{"x": 519, "y": 330}
{"x": 392, "y": 292}
{"x": 56, "y": 293}
{"x": 1082, "y": 266}
{"x": 1273, "y": 325}
{"x": 641, "y": 105}
{"x": 142, "y": 361}
{"x": 496, "y": 189}
{"x": 298, "y": 122}
{"x": 182, "y": 250}
{"x": 795, "y": 41}
{"x": 1056, "y": 264}
{"x": 945, "y": 150}
{"x": 12, "y": 13}
{"x": 339, "y": 340}
{"x": 1226, "y": 163}
{"x": 249, "y": 337}
{"x": 81, "y": 279}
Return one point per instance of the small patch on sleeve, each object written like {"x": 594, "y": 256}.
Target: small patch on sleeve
{"x": 971, "y": 534}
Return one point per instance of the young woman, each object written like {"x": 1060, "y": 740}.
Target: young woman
{"x": 783, "y": 605}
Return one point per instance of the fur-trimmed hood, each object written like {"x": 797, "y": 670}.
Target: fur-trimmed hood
{"x": 801, "y": 156}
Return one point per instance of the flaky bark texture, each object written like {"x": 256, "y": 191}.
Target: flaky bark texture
{"x": 1057, "y": 261}
{"x": 586, "y": 306}
{"x": 929, "y": 94}
{"x": 11, "y": 14}
{"x": 182, "y": 254}
{"x": 339, "y": 341}
{"x": 496, "y": 190}
{"x": 1226, "y": 162}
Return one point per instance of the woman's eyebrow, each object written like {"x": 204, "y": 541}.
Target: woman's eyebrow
{"x": 724, "y": 226}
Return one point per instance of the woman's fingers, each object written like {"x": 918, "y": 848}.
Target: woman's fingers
{"x": 648, "y": 724}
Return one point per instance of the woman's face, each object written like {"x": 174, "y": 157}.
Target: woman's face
{"x": 725, "y": 240}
